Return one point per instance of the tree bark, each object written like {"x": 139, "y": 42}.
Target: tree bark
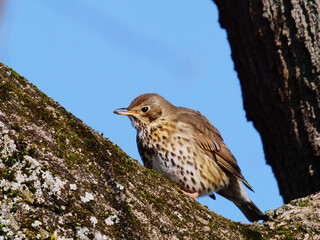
{"x": 60, "y": 179}
{"x": 275, "y": 48}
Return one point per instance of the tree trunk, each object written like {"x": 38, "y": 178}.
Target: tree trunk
{"x": 275, "y": 48}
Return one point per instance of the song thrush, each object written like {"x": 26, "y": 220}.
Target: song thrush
{"x": 183, "y": 146}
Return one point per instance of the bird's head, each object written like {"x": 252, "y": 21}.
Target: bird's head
{"x": 146, "y": 109}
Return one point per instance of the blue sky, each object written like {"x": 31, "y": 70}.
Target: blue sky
{"x": 93, "y": 56}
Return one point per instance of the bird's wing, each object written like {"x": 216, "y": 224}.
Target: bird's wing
{"x": 208, "y": 138}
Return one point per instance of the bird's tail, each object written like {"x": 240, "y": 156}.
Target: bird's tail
{"x": 251, "y": 211}
{"x": 236, "y": 193}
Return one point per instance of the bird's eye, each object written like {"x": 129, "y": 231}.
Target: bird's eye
{"x": 144, "y": 109}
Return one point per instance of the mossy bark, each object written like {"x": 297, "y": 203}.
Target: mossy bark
{"x": 60, "y": 179}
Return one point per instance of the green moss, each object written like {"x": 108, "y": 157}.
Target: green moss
{"x": 234, "y": 226}
{"x": 53, "y": 237}
{"x": 287, "y": 233}
{"x": 305, "y": 203}
{"x": 11, "y": 160}
{"x": 7, "y": 174}
{"x": 131, "y": 165}
{"x": 31, "y": 187}
{"x": 73, "y": 158}
{"x": 129, "y": 226}
{"x": 251, "y": 234}
{"x": 57, "y": 209}
{"x": 53, "y": 172}
{"x": 2, "y": 232}
{"x": 9, "y": 192}
{"x": 16, "y": 127}
{"x": 94, "y": 169}
{"x": 6, "y": 89}
{"x": 14, "y": 73}
{"x": 82, "y": 214}
{"x": 174, "y": 218}
{"x": 44, "y": 167}
{"x": 33, "y": 202}
{"x": 60, "y": 137}
{"x": 157, "y": 202}
{"x": 13, "y": 209}
{"x": 130, "y": 217}
{"x": 27, "y": 165}
{"x": 27, "y": 119}
{"x": 13, "y": 193}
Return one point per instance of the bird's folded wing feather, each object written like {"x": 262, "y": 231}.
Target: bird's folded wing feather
{"x": 209, "y": 139}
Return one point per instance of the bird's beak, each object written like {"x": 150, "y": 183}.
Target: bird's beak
{"x": 124, "y": 111}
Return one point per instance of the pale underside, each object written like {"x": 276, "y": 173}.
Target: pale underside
{"x": 170, "y": 152}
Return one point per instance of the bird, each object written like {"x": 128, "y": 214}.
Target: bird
{"x": 183, "y": 146}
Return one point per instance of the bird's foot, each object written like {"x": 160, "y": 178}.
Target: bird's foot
{"x": 192, "y": 195}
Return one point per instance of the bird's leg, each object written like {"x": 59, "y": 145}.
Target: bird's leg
{"x": 192, "y": 195}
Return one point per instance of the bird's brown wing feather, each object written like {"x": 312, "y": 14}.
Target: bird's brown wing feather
{"x": 209, "y": 139}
